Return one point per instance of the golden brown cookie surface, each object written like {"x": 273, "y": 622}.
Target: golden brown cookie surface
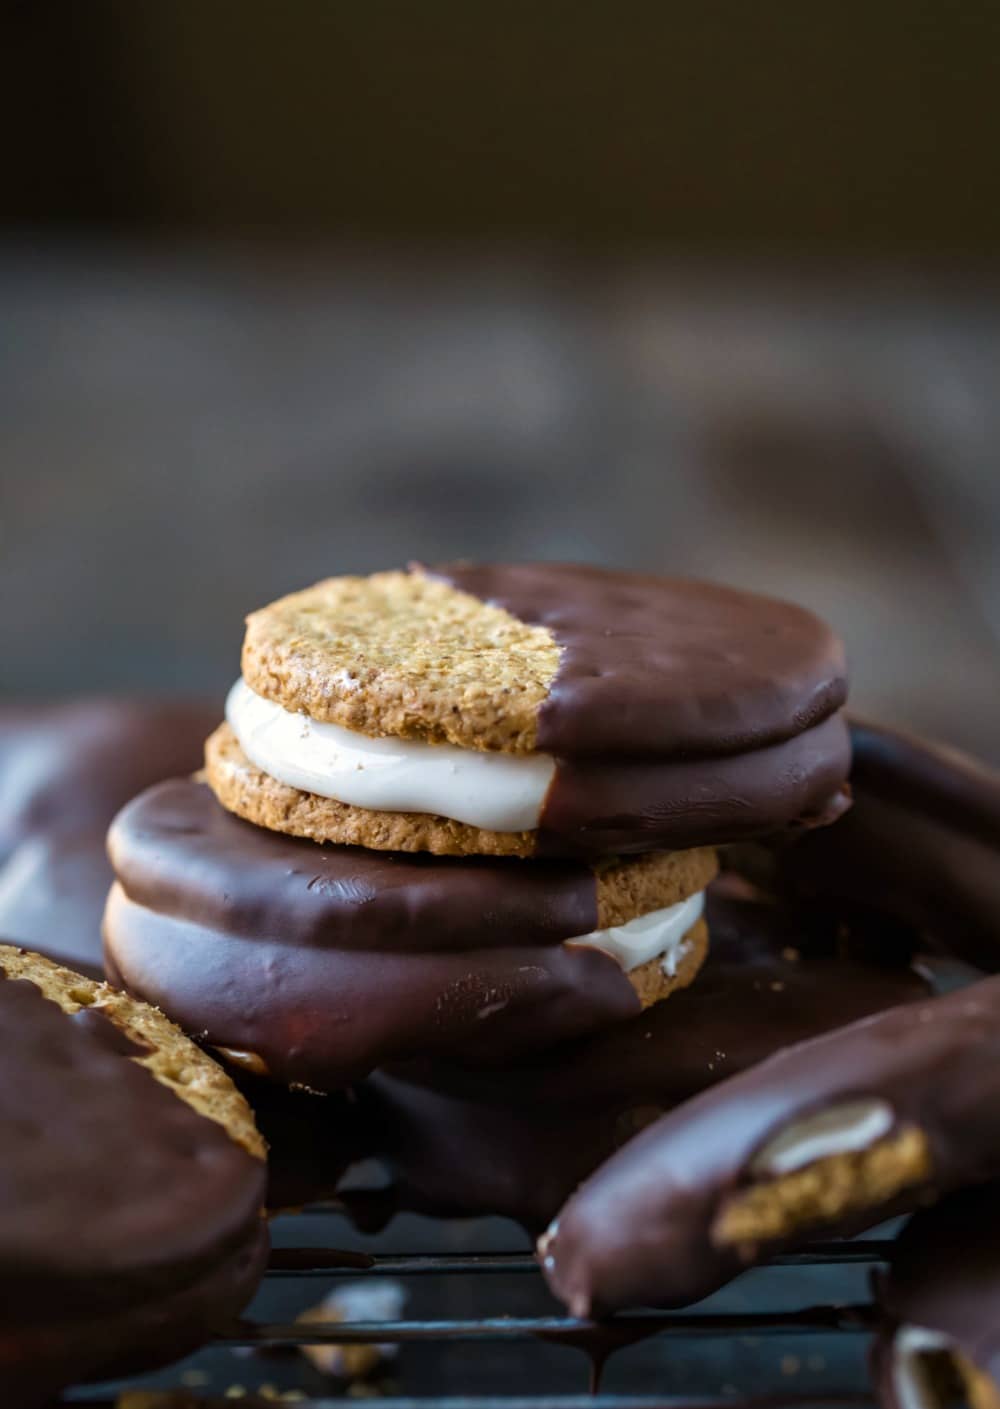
{"x": 170, "y": 1057}
{"x": 405, "y": 655}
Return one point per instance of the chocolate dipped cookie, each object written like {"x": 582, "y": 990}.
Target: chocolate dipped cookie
{"x": 827, "y": 1137}
{"x": 65, "y": 770}
{"x": 132, "y": 1181}
{"x": 533, "y": 710}
{"x": 517, "y": 1142}
{"x": 314, "y": 964}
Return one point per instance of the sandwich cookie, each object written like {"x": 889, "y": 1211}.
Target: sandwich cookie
{"x": 829, "y": 1136}
{"x": 65, "y": 770}
{"x": 533, "y": 710}
{"x": 315, "y": 964}
{"x": 132, "y": 1180}
{"x": 517, "y": 1143}
{"x": 941, "y": 1298}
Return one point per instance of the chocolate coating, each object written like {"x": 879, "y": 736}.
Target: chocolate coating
{"x": 328, "y": 961}
{"x": 662, "y": 666}
{"x": 682, "y": 713}
{"x": 517, "y": 1143}
{"x": 129, "y": 1224}
{"x": 920, "y": 842}
{"x": 944, "y": 1275}
{"x": 65, "y": 770}
{"x": 594, "y": 808}
{"x": 640, "y": 1230}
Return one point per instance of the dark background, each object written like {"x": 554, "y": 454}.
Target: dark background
{"x": 294, "y": 290}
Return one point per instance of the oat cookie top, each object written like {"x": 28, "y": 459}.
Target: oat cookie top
{"x": 403, "y": 655}
{"x": 576, "y": 661}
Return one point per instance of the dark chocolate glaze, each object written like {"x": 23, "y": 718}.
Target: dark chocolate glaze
{"x": 665, "y": 667}
{"x": 517, "y": 1143}
{"x": 921, "y": 842}
{"x": 682, "y": 713}
{"x": 641, "y": 1229}
{"x": 65, "y": 770}
{"x": 329, "y": 961}
{"x": 944, "y": 1275}
{"x": 129, "y": 1224}
{"x": 596, "y": 808}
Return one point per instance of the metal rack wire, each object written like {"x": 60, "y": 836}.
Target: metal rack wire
{"x": 327, "y": 1265}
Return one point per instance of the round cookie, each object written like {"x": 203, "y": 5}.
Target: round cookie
{"x": 132, "y": 1181}
{"x": 65, "y": 770}
{"x": 533, "y": 710}
{"x": 466, "y": 1143}
{"x": 829, "y": 1137}
{"x": 316, "y": 964}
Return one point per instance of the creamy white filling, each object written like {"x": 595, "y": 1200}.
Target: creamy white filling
{"x": 909, "y": 1368}
{"x": 842, "y": 1129}
{"x": 661, "y": 932}
{"x": 499, "y": 792}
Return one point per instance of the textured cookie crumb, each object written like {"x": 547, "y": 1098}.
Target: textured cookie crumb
{"x": 625, "y": 888}
{"x": 254, "y": 795}
{"x": 172, "y": 1058}
{"x": 404, "y": 655}
{"x": 653, "y": 983}
{"x": 824, "y": 1191}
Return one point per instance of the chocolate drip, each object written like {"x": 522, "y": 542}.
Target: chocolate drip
{"x": 328, "y": 961}
{"x": 641, "y": 1229}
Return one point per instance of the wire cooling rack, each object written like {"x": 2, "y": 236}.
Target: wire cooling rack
{"x": 480, "y": 1331}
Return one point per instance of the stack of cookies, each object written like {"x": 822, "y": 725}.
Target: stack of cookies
{"x": 469, "y": 812}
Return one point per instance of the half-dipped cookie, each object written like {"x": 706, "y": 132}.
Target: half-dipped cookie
{"x": 827, "y": 1137}
{"x": 315, "y": 964}
{"x": 132, "y": 1180}
{"x": 533, "y": 710}
{"x": 518, "y": 1141}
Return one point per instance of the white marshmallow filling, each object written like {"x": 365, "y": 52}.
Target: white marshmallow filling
{"x": 842, "y": 1129}
{"x": 497, "y": 792}
{"x": 494, "y": 791}
{"x": 911, "y": 1381}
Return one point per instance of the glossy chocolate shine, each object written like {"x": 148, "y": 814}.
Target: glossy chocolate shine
{"x": 682, "y": 713}
{"x": 112, "y": 1190}
{"x": 517, "y": 1143}
{"x": 65, "y": 770}
{"x": 327, "y": 961}
{"x": 665, "y": 666}
{"x": 640, "y": 1230}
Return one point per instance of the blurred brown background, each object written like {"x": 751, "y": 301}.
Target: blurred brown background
{"x": 293, "y": 290}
